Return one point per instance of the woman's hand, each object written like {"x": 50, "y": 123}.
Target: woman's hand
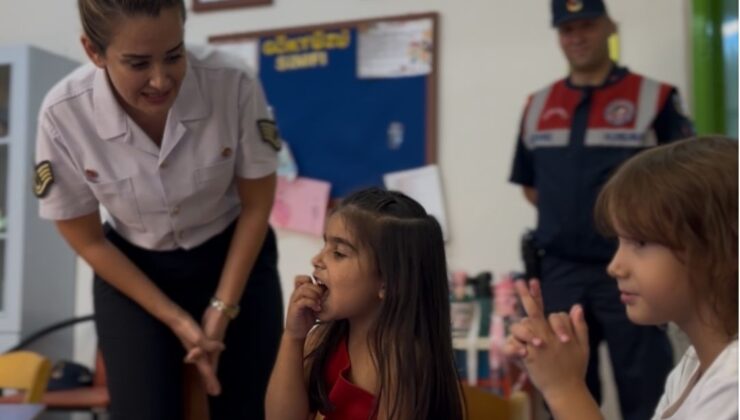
{"x": 305, "y": 303}
{"x": 214, "y": 326}
{"x": 554, "y": 349}
{"x": 198, "y": 346}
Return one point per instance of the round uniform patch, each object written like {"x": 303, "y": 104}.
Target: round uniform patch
{"x": 574, "y": 5}
{"x": 43, "y": 180}
{"x": 619, "y": 112}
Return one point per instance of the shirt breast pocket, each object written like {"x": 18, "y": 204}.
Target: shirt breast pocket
{"x": 216, "y": 178}
{"x": 119, "y": 198}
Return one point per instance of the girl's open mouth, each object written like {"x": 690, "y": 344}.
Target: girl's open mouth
{"x": 319, "y": 283}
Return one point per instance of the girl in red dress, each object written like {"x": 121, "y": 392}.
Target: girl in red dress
{"x": 381, "y": 348}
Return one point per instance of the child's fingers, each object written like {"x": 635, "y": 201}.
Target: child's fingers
{"x": 513, "y": 348}
{"x": 300, "y": 281}
{"x": 308, "y": 303}
{"x": 309, "y": 290}
{"x": 523, "y": 332}
{"x": 579, "y": 323}
{"x": 536, "y": 292}
{"x": 561, "y": 326}
{"x": 533, "y": 309}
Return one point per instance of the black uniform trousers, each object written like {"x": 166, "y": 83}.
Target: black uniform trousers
{"x": 144, "y": 359}
{"x": 641, "y": 356}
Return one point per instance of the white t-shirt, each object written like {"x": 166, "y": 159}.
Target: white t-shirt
{"x": 713, "y": 395}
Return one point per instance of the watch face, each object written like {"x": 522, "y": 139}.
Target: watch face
{"x": 229, "y": 310}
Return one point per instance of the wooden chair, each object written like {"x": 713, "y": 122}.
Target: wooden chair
{"x": 485, "y": 406}
{"x": 25, "y": 371}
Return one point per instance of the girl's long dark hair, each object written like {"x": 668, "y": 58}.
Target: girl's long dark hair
{"x": 411, "y": 343}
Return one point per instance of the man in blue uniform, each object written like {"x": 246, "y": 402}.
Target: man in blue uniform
{"x": 573, "y": 134}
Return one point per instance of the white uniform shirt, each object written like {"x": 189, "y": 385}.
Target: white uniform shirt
{"x": 713, "y": 396}
{"x": 176, "y": 196}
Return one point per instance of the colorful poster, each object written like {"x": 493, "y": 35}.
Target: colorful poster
{"x": 300, "y": 205}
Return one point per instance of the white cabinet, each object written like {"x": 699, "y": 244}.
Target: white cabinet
{"x": 37, "y": 268}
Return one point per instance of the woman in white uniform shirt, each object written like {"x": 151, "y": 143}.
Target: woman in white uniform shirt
{"x": 177, "y": 145}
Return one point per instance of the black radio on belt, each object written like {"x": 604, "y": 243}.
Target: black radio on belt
{"x": 531, "y": 255}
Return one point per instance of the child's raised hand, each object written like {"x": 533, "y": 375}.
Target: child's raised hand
{"x": 305, "y": 303}
{"x": 554, "y": 349}
{"x": 522, "y": 332}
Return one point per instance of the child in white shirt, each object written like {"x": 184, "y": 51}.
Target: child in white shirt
{"x": 674, "y": 211}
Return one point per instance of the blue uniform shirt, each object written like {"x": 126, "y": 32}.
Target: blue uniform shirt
{"x": 573, "y": 138}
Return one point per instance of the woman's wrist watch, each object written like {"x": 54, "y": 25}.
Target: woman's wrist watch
{"x": 231, "y": 311}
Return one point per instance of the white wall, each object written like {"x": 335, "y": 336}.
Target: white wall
{"x": 492, "y": 54}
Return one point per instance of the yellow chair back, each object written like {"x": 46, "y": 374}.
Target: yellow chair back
{"x": 26, "y": 371}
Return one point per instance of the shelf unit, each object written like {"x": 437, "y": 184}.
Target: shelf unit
{"x": 37, "y": 268}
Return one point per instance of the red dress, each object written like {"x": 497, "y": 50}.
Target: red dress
{"x": 350, "y": 401}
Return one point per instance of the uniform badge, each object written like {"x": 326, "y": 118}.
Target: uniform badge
{"x": 574, "y": 5}
{"x": 619, "y": 112}
{"x": 43, "y": 180}
{"x": 269, "y": 133}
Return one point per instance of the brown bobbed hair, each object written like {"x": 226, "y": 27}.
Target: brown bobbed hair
{"x": 683, "y": 196}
